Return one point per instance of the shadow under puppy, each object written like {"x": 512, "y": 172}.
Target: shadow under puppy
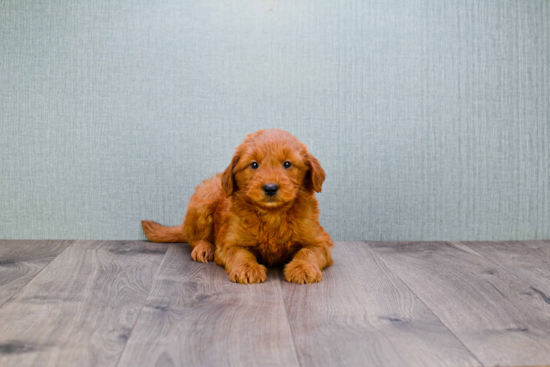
{"x": 261, "y": 210}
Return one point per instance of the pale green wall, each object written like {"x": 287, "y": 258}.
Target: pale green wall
{"x": 431, "y": 118}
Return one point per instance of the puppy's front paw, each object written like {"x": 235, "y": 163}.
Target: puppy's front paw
{"x": 248, "y": 273}
{"x": 203, "y": 252}
{"x": 302, "y": 272}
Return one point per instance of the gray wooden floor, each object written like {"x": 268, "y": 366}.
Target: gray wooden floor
{"x": 113, "y": 303}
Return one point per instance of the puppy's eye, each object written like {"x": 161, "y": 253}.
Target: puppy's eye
{"x": 287, "y": 164}
{"x": 254, "y": 165}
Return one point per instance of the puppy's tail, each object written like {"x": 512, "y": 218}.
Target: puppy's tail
{"x": 159, "y": 233}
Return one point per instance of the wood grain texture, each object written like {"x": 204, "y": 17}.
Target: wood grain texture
{"x": 20, "y": 261}
{"x": 539, "y": 249}
{"x": 102, "y": 303}
{"x": 493, "y": 312}
{"x": 361, "y": 314}
{"x": 80, "y": 309}
{"x": 527, "y": 262}
{"x": 196, "y": 316}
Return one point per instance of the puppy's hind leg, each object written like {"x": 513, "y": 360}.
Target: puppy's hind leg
{"x": 199, "y": 229}
{"x": 198, "y": 226}
{"x": 203, "y": 251}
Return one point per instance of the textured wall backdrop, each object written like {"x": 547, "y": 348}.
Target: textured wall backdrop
{"x": 431, "y": 118}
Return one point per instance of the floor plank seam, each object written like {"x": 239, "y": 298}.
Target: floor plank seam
{"x": 421, "y": 300}
{"x": 41, "y": 270}
{"x": 287, "y": 320}
{"x": 142, "y": 306}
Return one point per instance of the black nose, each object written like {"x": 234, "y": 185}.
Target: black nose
{"x": 270, "y": 189}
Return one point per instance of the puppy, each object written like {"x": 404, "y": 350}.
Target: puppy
{"x": 261, "y": 210}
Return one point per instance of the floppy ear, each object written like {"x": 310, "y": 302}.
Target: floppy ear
{"x": 316, "y": 174}
{"x": 228, "y": 178}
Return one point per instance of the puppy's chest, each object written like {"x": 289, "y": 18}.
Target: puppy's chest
{"x": 275, "y": 235}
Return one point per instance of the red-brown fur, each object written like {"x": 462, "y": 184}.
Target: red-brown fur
{"x": 230, "y": 218}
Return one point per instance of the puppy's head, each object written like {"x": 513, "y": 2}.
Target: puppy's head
{"x": 271, "y": 168}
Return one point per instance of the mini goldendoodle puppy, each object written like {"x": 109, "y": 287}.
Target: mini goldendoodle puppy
{"x": 261, "y": 210}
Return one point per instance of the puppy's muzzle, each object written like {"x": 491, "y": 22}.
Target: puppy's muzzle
{"x": 270, "y": 189}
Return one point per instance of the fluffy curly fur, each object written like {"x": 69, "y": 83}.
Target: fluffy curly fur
{"x": 231, "y": 218}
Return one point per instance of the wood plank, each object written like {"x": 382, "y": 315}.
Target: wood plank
{"x": 539, "y": 248}
{"x": 20, "y": 261}
{"x": 80, "y": 309}
{"x": 361, "y": 314}
{"x": 522, "y": 260}
{"x": 196, "y": 316}
{"x": 492, "y": 311}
